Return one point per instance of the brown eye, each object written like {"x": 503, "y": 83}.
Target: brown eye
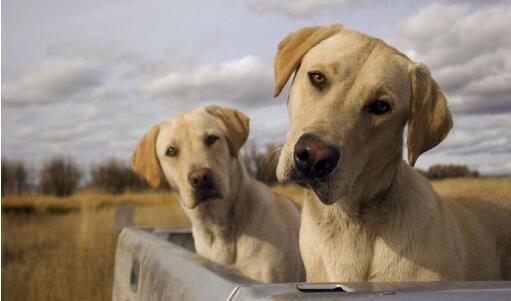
{"x": 171, "y": 152}
{"x": 317, "y": 79}
{"x": 210, "y": 140}
{"x": 379, "y": 107}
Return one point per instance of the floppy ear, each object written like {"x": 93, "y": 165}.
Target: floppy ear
{"x": 144, "y": 160}
{"x": 429, "y": 121}
{"x": 234, "y": 124}
{"x": 292, "y": 49}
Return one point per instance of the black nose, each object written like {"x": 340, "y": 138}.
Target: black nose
{"x": 200, "y": 177}
{"x": 314, "y": 157}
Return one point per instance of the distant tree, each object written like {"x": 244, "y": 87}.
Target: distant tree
{"x": 6, "y": 176}
{"x": 20, "y": 177}
{"x": 261, "y": 164}
{"x": 442, "y": 171}
{"x": 114, "y": 176}
{"x": 251, "y": 157}
{"x": 14, "y": 176}
{"x": 60, "y": 176}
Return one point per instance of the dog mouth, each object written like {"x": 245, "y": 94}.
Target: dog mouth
{"x": 206, "y": 193}
{"x": 319, "y": 185}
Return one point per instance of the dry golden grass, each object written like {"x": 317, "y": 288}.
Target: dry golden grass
{"x": 499, "y": 187}
{"x": 57, "y": 257}
{"x": 84, "y": 199}
{"x": 63, "y": 248}
{"x": 56, "y": 254}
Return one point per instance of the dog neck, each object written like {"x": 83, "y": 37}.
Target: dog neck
{"x": 379, "y": 204}
{"x": 218, "y": 222}
{"x": 376, "y": 184}
{"x": 373, "y": 186}
{"x": 376, "y": 187}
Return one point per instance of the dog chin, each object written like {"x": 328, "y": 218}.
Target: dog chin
{"x": 197, "y": 200}
{"x": 322, "y": 191}
{"x": 320, "y": 187}
{"x": 207, "y": 197}
{"x": 326, "y": 199}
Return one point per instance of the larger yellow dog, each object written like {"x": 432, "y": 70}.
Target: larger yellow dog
{"x": 370, "y": 216}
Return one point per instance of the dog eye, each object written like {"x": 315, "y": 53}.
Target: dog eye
{"x": 171, "y": 152}
{"x": 317, "y": 79}
{"x": 379, "y": 107}
{"x": 210, "y": 140}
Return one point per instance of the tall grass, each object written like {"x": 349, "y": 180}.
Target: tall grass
{"x": 493, "y": 187}
{"x": 70, "y": 256}
{"x": 63, "y": 248}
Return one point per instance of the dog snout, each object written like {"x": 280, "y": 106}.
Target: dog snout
{"x": 200, "y": 177}
{"x": 314, "y": 157}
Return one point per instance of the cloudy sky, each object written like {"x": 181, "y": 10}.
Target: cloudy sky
{"x": 88, "y": 78}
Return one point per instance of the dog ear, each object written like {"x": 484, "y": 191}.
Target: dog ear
{"x": 144, "y": 160}
{"x": 429, "y": 121}
{"x": 234, "y": 124}
{"x": 292, "y": 49}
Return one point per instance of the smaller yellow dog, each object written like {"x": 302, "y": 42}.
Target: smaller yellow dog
{"x": 236, "y": 221}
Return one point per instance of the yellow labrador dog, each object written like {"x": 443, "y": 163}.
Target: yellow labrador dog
{"x": 369, "y": 215}
{"x": 236, "y": 221}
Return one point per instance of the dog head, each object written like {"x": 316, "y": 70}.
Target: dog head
{"x": 350, "y": 99}
{"x": 196, "y": 151}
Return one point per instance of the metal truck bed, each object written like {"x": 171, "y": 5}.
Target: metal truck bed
{"x": 160, "y": 264}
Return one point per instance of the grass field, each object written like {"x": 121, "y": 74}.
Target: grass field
{"x": 63, "y": 248}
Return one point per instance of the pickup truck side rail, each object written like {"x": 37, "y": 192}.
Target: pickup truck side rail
{"x": 160, "y": 264}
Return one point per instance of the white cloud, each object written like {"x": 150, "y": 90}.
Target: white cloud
{"x": 484, "y": 133}
{"x": 72, "y": 72}
{"x": 245, "y": 81}
{"x": 495, "y": 169}
{"x": 299, "y": 8}
{"x": 268, "y": 124}
{"x": 467, "y": 47}
{"x": 86, "y": 102}
{"x": 483, "y": 142}
{"x": 311, "y": 8}
{"x": 53, "y": 80}
{"x": 87, "y": 131}
{"x": 74, "y": 95}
